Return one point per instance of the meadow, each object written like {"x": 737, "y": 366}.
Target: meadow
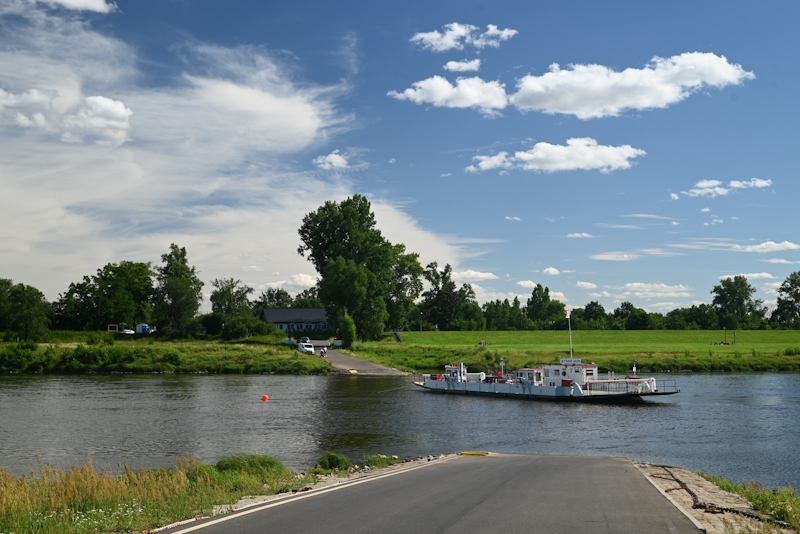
{"x": 612, "y": 350}
{"x": 101, "y": 352}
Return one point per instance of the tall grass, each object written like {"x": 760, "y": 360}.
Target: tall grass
{"x": 80, "y": 499}
{"x": 782, "y": 504}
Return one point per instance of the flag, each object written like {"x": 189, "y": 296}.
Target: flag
{"x": 567, "y": 312}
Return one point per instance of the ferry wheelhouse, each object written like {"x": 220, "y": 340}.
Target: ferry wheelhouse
{"x": 570, "y": 380}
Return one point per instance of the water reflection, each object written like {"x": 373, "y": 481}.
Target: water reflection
{"x": 741, "y": 426}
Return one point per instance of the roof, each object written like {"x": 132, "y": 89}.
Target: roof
{"x": 294, "y": 315}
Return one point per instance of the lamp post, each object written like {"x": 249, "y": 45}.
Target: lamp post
{"x": 420, "y": 321}
{"x": 502, "y": 367}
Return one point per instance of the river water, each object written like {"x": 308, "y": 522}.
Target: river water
{"x": 744, "y": 427}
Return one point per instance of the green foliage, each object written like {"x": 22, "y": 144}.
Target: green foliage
{"x": 734, "y": 296}
{"x": 229, "y": 297}
{"x": 378, "y": 461}
{"x": 636, "y": 320}
{"x": 212, "y": 323}
{"x": 235, "y": 328}
{"x": 333, "y": 460}
{"x": 117, "y": 294}
{"x": 178, "y": 292}
{"x": 250, "y": 463}
{"x": 347, "y": 328}
{"x": 346, "y": 284}
{"x": 782, "y": 504}
{"x": 308, "y": 298}
{"x": 787, "y": 311}
{"x": 24, "y": 310}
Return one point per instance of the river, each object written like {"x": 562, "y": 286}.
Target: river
{"x": 741, "y": 426}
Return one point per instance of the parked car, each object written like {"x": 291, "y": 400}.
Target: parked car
{"x": 305, "y": 340}
{"x": 306, "y": 348}
{"x": 128, "y": 331}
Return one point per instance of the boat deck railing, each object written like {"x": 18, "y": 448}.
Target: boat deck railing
{"x": 629, "y": 386}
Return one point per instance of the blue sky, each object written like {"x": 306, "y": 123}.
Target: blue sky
{"x": 622, "y": 151}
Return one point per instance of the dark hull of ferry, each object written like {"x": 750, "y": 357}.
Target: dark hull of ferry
{"x": 594, "y": 399}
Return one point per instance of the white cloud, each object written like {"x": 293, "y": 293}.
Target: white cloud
{"x": 578, "y": 154}
{"x": 621, "y": 226}
{"x": 486, "y": 294}
{"x": 466, "y": 93}
{"x": 392, "y": 160}
{"x": 512, "y": 218}
{"x": 486, "y": 163}
{"x": 581, "y": 235}
{"x": 675, "y": 223}
{"x": 767, "y": 246}
{"x": 294, "y": 284}
{"x": 83, "y": 5}
{"x": 102, "y": 118}
{"x": 551, "y": 271}
{"x": 558, "y": 295}
{"x": 615, "y": 256}
{"x": 333, "y": 161}
{"x": 748, "y": 276}
{"x": 568, "y": 271}
{"x": 705, "y": 210}
{"x": 707, "y": 188}
{"x": 781, "y": 261}
{"x": 445, "y": 174}
{"x": 463, "y": 66}
{"x": 585, "y": 285}
{"x": 654, "y": 291}
{"x": 771, "y": 288}
{"x": 456, "y": 36}
{"x": 592, "y": 91}
{"x": 527, "y": 283}
{"x": 37, "y": 119}
{"x": 604, "y": 294}
{"x": 754, "y": 182}
{"x": 648, "y": 216}
{"x": 673, "y": 196}
{"x": 470, "y": 275}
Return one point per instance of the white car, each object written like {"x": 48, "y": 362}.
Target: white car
{"x": 305, "y": 340}
{"x": 306, "y": 348}
{"x": 128, "y": 332}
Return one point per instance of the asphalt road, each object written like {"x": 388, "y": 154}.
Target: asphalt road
{"x": 497, "y": 493}
{"x": 343, "y": 364}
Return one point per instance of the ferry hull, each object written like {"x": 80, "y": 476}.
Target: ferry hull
{"x": 621, "y": 398}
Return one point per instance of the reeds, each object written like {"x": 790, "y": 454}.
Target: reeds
{"x": 81, "y": 499}
{"x": 782, "y": 504}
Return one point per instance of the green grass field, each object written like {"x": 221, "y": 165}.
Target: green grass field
{"x": 654, "y": 350}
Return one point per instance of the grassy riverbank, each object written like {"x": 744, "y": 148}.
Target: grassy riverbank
{"x": 81, "y": 500}
{"x": 92, "y": 352}
{"x": 782, "y": 504}
{"x": 654, "y": 350}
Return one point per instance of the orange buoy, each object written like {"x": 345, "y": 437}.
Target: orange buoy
{"x": 264, "y": 398}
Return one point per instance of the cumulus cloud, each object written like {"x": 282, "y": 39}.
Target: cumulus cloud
{"x": 558, "y": 295}
{"x": 654, "y": 291}
{"x": 673, "y": 196}
{"x": 551, "y": 271}
{"x": 714, "y": 188}
{"x": 767, "y": 246}
{"x": 333, "y": 161}
{"x": 104, "y": 119}
{"x": 530, "y": 284}
{"x": 512, "y": 218}
{"x": 463, "y": 66}
{"x": 781, "y": 261}
{"x": 99, "y": 6}
{"x": 471, "y": 275}
{"x": 488, "y": 97}
{"x": 747, "y": 275}
{"x": 455, "y": 36}
{"x": 593, "y": 91}
{"x": 585, "y": 285}
{"x": 604, "y": 294}
{"x": 578, "y": 154}
{"x": 392, "y": 160}
{"x": 294, "y": 284}
{"x": 580, "y": 235}
{"x": 771, "y": 288}
{"x": 705, "y": 210}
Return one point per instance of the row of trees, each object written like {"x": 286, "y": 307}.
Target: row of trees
{"x": 366, "y": 285}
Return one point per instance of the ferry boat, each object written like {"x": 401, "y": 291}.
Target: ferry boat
{"x": 569, "y": 380}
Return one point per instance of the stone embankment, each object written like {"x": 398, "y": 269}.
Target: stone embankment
{"x": 714, "y": 509}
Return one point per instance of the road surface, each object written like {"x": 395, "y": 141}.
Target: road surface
{"x": 343, "y": 364}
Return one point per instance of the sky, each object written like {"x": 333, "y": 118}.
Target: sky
{"x": 616, "y": 151}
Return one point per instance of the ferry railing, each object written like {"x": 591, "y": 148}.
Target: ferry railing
{"x": 629, "y": 387}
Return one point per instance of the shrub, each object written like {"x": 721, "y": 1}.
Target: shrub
{"x": 380, "y": 460}
{"x": 332, "y": 460}
{"x": 250, "y": 463}
{"x": 212, "y": 322}
{"x": 348, "y": 329}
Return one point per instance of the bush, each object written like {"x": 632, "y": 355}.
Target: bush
{"x": 380, "y": 460}
{"x": 250, "y": 463}
{"x": 235, "y": 328}
{"x": 212, "y": 322}
{"x": 332, "y": 460}
{"x": 348, "y": 329}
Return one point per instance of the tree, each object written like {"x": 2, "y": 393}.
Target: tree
{"x": 5, "y": 304}
{"x": 594, "y": 311}
{"x": 735, "y": 296}
{"x": 342, "y": 241}
{"x": 348, "y": 329}
{"x": 30, "y": 312}
{"x": 636, "y": 320}
{"x": 787, "y": 312}
{"x": 178, "y": 293}
{"x": 308, "y": 298}
{"x": 442, "y": 302}
{"x": 538, "y": 302}
{"x": 272, "y": 298}
{"x": 229, "y": 297}
{"x": 405, "y": 285}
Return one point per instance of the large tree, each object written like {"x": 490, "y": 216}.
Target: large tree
{"x": 787, "y": 312}
{"x": 308, "y": 298}
{"x": 229, "y": 297}
{"x": 734, "y": 296}
{"x": 5, "y": 304}
{"x": 405, "y": 285}
{"x": 359, "y": 269}
{"x": 29, "y": 311}
{"x": 178, "y": 293}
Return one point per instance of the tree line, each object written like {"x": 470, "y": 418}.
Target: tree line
{"x": 366, "y": 285}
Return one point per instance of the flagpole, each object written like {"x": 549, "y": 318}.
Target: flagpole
{"x": 569, "y": 323}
